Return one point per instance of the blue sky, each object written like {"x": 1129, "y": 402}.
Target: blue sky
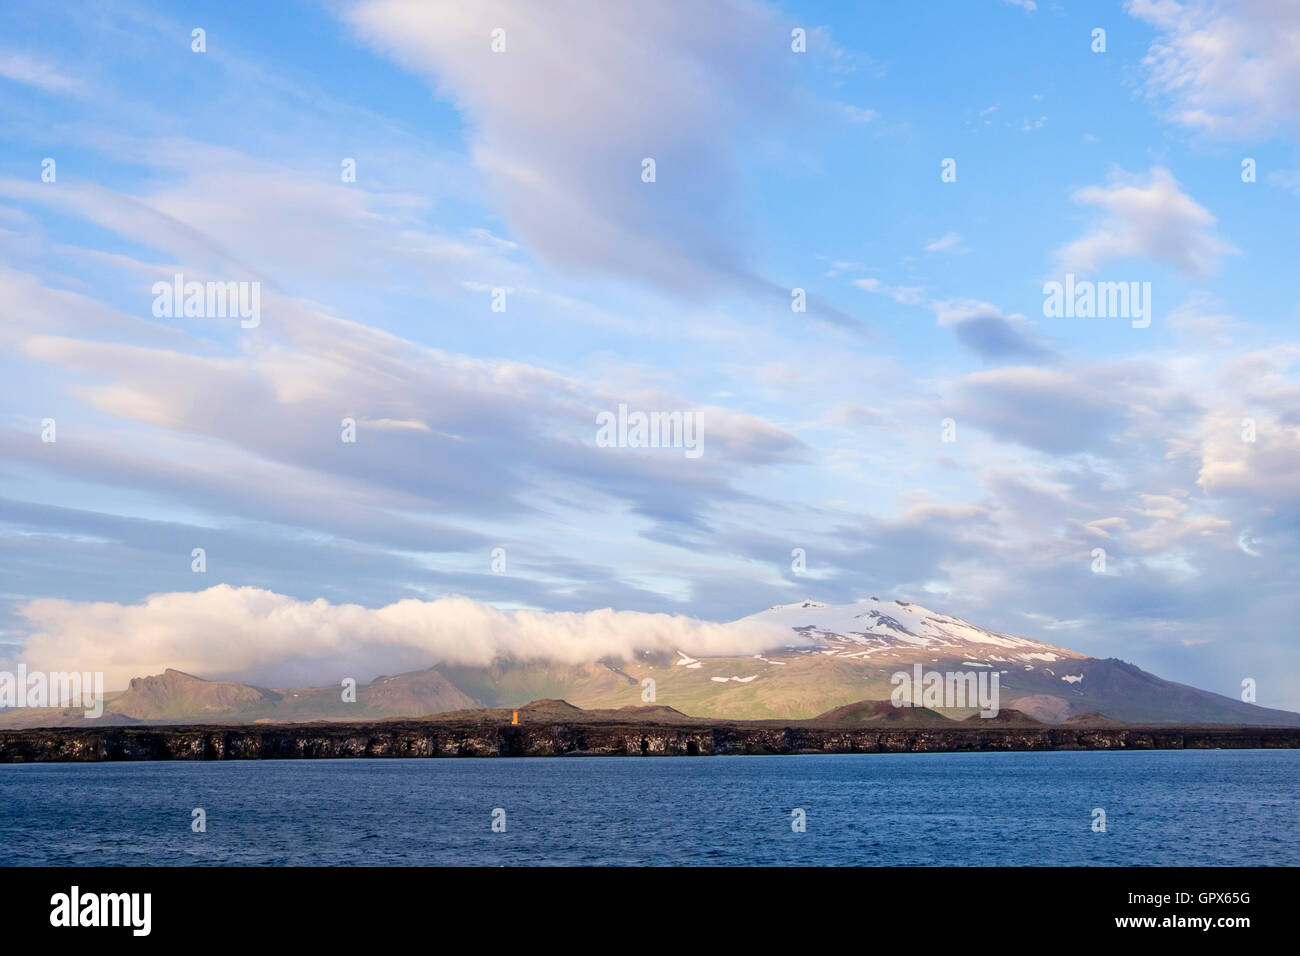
{"x": 775, "y": 170}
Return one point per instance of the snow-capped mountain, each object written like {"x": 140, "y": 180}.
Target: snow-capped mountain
{"x": 877, "y": 628}
{"x": 835, "y": 656}
{"x": 842, "y": 650}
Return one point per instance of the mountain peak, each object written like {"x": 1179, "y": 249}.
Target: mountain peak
{"x": 874, "y": 626}
{"x": 796, "y": 604}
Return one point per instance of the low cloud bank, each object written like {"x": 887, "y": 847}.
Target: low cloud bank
{"x": 251, "y": 634}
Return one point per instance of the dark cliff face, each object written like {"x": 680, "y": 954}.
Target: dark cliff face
{"x": 415, "y": 739}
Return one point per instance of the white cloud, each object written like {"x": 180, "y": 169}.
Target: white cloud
{"x": 562, "y": 120}
{"x": 1202, "y": 319}
{"x": 1288, "y": 179}
{"x": 1146, "y": 217}
{"x": 234, "y": 216}
{"x": 257, "y": 635}
{"x": 902, "y": 294}
{"x": 431, "y": 422}
{"x": 852, "y": 415}
{"x": 42, "y": 75}
{"x": 1262, "y": 470}
{"x": 1228, "y": 70}
{"x": 839, "y": 60}
{"x": 948, "y": 242}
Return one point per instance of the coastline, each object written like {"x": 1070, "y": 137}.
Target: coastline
{"x": 432, "y": 739}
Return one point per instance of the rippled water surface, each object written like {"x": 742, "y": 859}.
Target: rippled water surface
{"x": 1229, "y": 807}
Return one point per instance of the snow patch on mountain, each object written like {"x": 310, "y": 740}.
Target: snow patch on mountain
{"x": 874, "y": 626}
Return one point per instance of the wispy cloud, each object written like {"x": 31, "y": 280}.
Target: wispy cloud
{"x": 564, "y": 139}
{"x": 1228, "y": 70}
{"x": 39, "y": 74}
{"x": 948, "y": 242}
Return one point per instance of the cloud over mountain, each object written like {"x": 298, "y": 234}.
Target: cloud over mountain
{"x": 254, "y": 634}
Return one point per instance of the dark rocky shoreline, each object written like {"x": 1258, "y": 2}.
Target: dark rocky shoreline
{"x": 425, "y": 738}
